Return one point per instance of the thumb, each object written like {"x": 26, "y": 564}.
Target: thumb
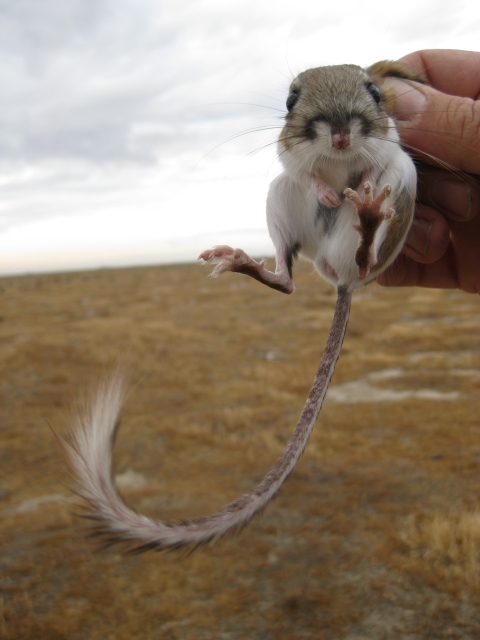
{"x": 442, "y": 126}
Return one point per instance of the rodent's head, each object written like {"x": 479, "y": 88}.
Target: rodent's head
{"x": 339, "y": 113}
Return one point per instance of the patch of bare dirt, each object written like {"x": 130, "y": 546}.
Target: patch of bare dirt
{"x": 375, "y": 536}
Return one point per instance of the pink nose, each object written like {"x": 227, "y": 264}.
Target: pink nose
{"x": 341, "y": 140}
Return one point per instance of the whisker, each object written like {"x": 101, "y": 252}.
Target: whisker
{"x": 443, "y": 135}
{"x": 395, "y": 97}
{"x": 263, "y": 95}
{"x": 261, "y": 148}
{"x": 443, "y": 163}
{"x": 246, "y": 104}
{"x": 464, "y": 176}
{"x": 238, "y": 135}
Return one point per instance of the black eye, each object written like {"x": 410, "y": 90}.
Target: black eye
{"x": 291, "y": 100}
{"x": 374, "y": 91}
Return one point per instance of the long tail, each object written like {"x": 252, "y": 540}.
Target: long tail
{"x": 90, "y": 456}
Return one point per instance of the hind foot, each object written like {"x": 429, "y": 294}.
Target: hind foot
{"x": 370, "y": 218}
{"x": 236, "y": 260}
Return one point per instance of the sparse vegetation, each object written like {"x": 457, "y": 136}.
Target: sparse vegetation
{"x": 449, "y": 541}
{"x": 375, "y": 536}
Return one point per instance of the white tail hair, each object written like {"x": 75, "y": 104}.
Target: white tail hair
{"x": 89, "y": 451}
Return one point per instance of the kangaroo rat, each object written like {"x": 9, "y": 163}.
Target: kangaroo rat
{"x": 345, "y": 201}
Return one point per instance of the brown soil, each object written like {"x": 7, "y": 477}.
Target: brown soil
{"x": 376, "y": 535}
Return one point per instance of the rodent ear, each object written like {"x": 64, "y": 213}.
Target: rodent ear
{"x": 390, "y": 69}
{"x": 379, "y": 71}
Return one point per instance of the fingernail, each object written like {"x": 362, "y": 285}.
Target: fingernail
{"x": 419, "y": 235}
{"x": 453, "y": 196}
{"x": 409, "y": 101}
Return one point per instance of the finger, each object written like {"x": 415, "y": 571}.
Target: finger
{"x": 405, "y": 272}
{"x": 429, "y": 236}
{"x": 448, "y": 70}
{"x": 457, "y": 267}
{"x": 457, "y": 197}
{"x": 465, "y": 243}
{"x": 437, "y": 125}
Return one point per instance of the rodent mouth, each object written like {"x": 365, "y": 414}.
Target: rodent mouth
{"x": 318, "y": 151}
{"x": 338, "y": 153}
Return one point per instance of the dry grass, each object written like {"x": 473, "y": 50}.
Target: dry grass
{"x": 373, "y": 537}
{"x": 450, "y": 541}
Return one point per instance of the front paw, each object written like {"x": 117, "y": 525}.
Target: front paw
{"x": 325, "y": 194}
{"x": 330, "y": 200}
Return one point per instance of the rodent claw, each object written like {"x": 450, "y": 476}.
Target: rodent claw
{"x": 219, "y": 252}
{"x": 370, "y": 218}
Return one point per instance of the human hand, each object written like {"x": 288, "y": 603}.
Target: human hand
{"x": 440, "y": 124}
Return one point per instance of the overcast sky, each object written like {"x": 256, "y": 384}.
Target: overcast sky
{"x": 142, "y": 131}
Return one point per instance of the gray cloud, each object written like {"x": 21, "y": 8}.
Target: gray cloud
{"x": 83, "y": 77}
{"x": 118, "y": 108}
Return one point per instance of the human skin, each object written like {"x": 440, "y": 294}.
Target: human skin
{"x": 440, "y": 125}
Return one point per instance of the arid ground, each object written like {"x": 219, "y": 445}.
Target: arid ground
{"x": 376, "y": 535}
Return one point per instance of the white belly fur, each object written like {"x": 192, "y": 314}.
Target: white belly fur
{"x": 292, "y": 219}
